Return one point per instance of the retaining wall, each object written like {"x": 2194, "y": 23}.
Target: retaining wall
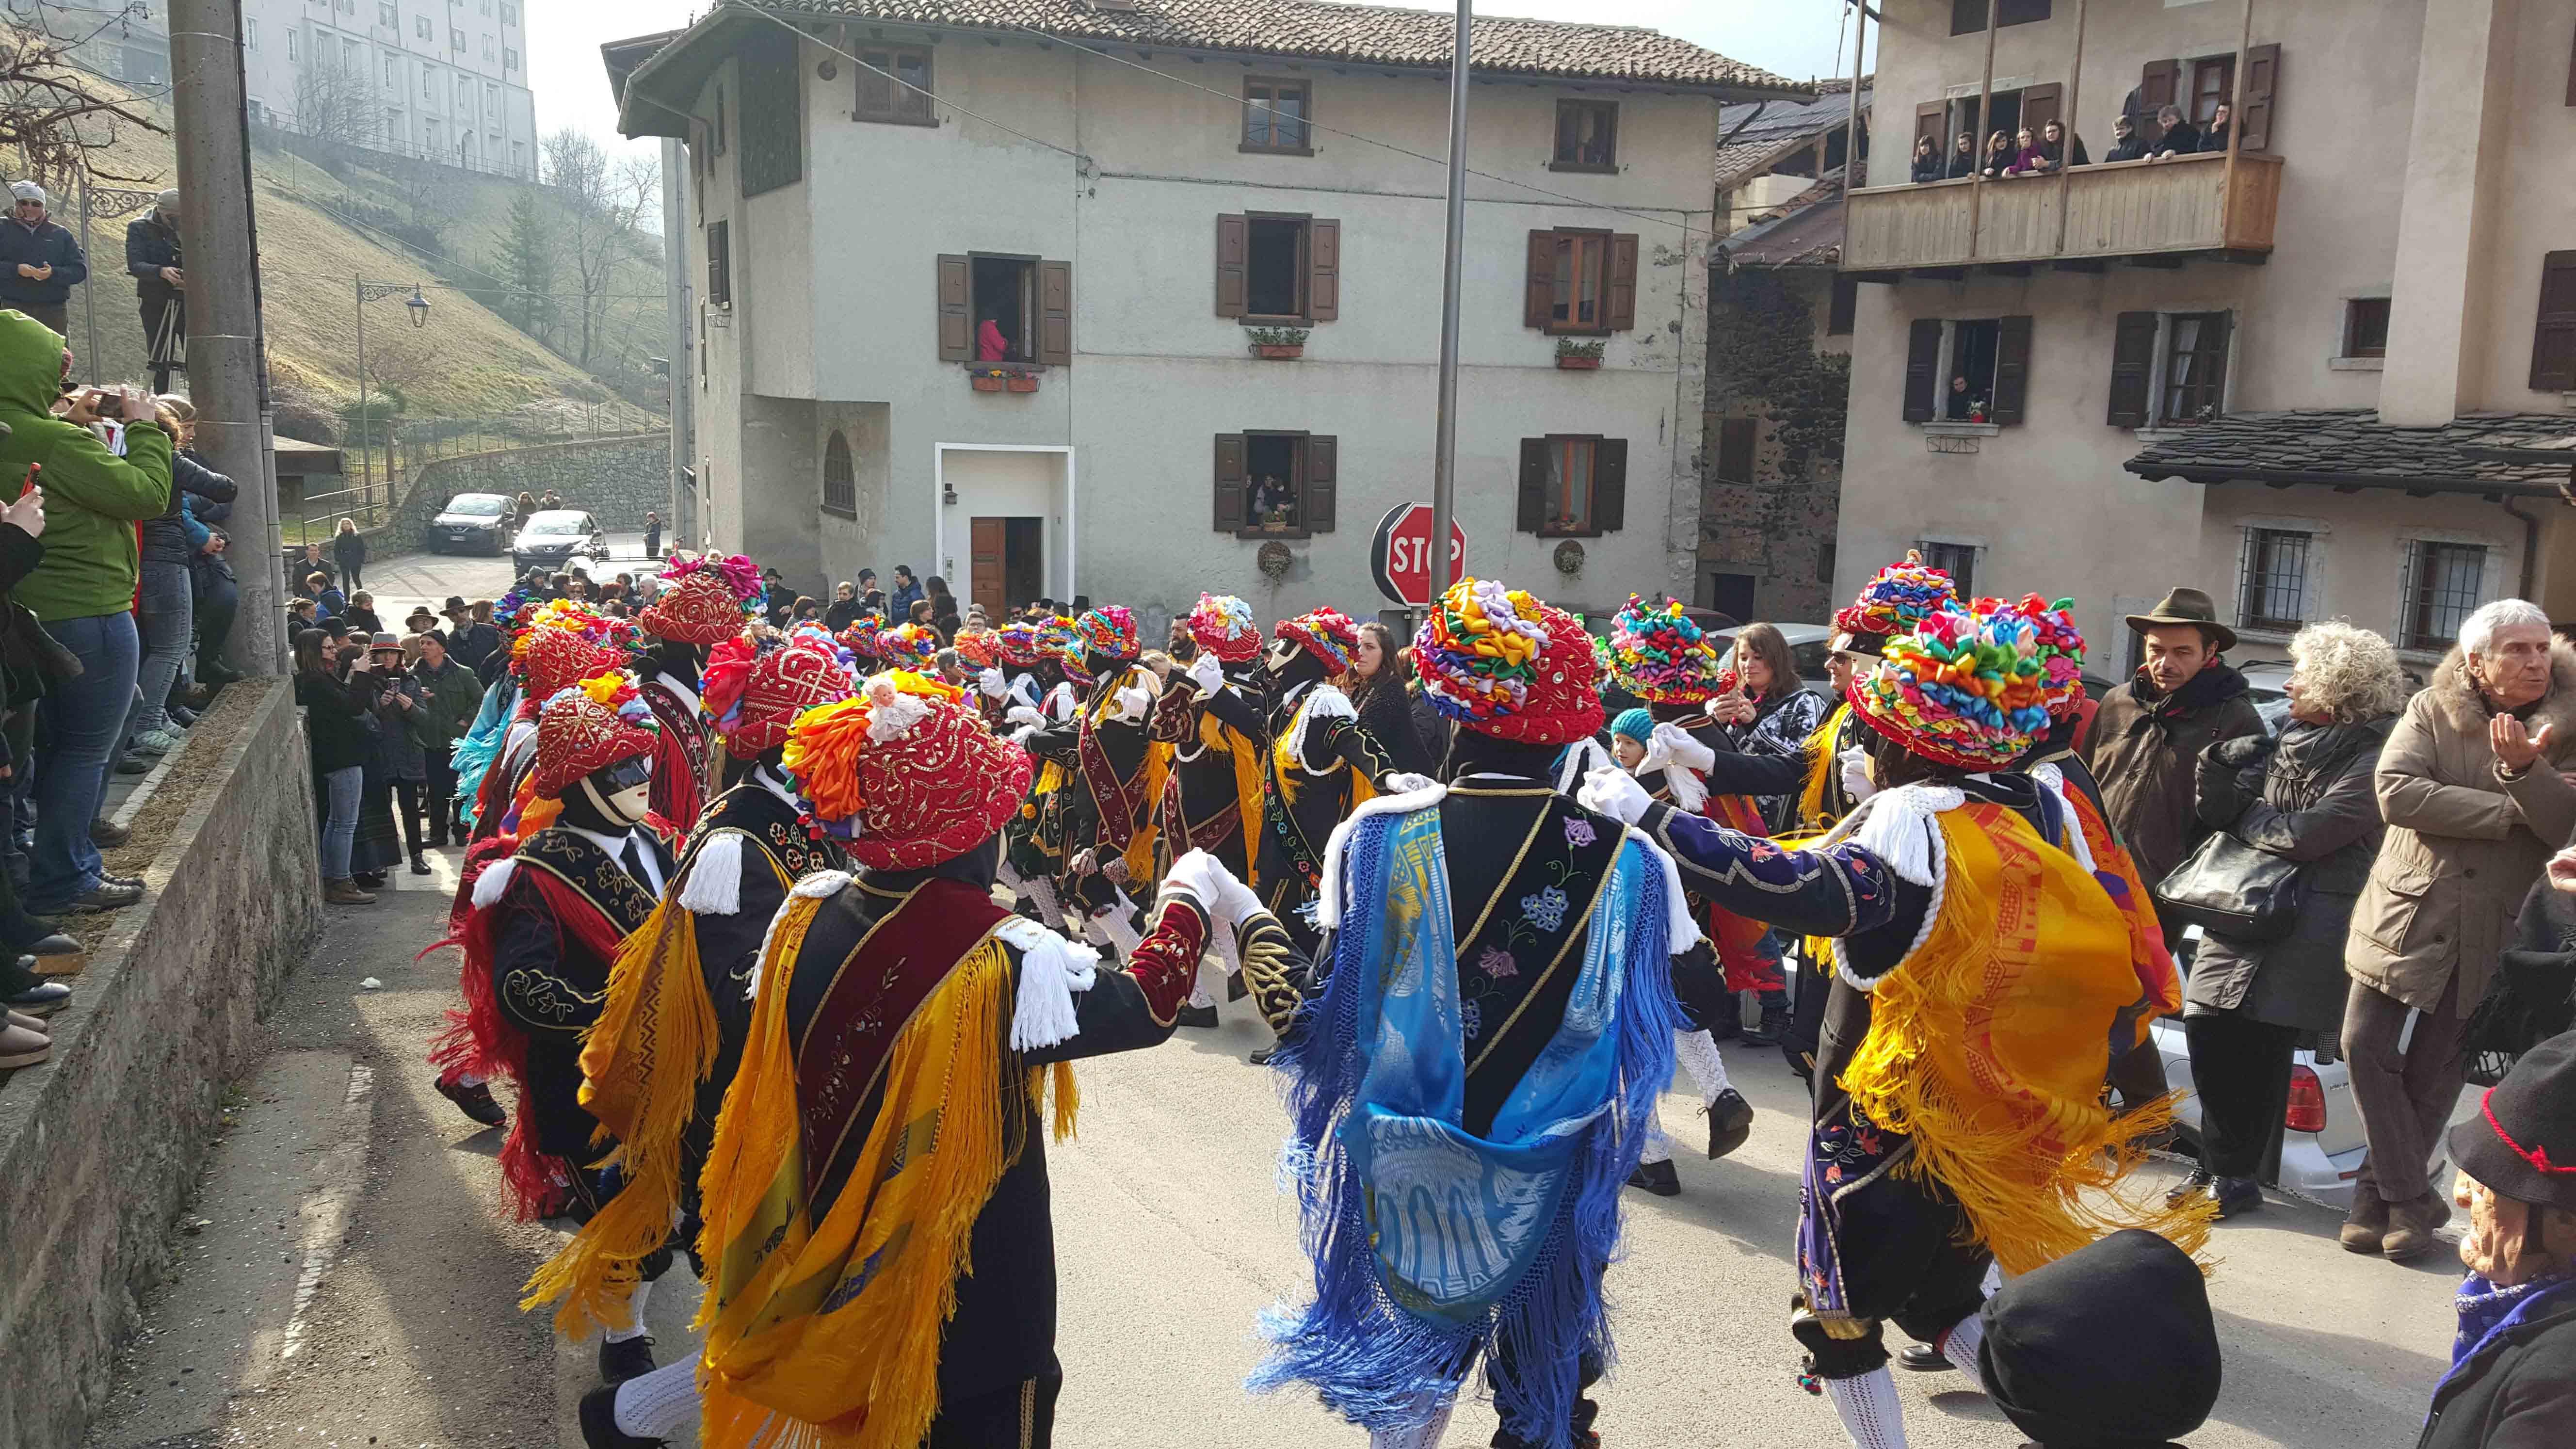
{"x": 99, "y": 1147}
{"x": 618, "y": 479}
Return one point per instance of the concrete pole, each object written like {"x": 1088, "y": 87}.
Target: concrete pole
{"x": 1852, "y": 173}
{"x": 212, "y": 131}
{"x": 1444, "y": 457}
{"x": 683, "y": 530}
{"x": 1985, "y": 103}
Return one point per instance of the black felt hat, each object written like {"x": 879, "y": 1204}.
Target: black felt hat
{"x": 2110, "y": 1347}
{"x": 2522, "y": 1143}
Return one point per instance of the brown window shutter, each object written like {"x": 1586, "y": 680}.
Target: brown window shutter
{"x": 1539, "y": 290}
{"x": 1930, "y": 119}
{"x": 956, "y": 329}
{"x": 2553, "y": 345}
{"x": 1055, "y": 313}
{"x": 1323, "y": 271}
{"x": 1531, "y": 514}
{"x": 1323, "y": 466}
{"x": 2042, "y": 104}
{"x": 2156, "y": 88}
{"x": 1232, "y": 501}
{"x": 1609, "y": 485}
{"x": 2133, "y": 362}
{"x": 2260, "y": 86}
{"x": 2012, "y": 369}
{"x": 1922, "y": 360}
{"x": 1621, "y": 313}
{"x": 1842, "y": 304}
{"x": 1233, "y": 248}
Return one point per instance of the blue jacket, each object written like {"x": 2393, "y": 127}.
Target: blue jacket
{"x": 44, "y": 245}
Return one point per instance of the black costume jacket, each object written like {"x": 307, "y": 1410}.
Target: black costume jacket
{"x": 1201, "y": 808}
{"x": 1302, "y": 803}
{"x": 1104, "y": 802}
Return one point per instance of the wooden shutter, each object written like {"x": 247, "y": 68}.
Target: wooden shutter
{"x": 2012, "y": 369}
{"x": 1538, "y": 298}
{"x": 2042, "y": 104}
{"x": 720, "y": 263}
{"x": 1621, "y": 312}
{"x": 1233, "y": 250}
{"x": 1930, "y": 119}
{"x": 2157, "y": 84}
{"x": 1323, "y": 271}
{"x": 2257, "y": 89}
{"x": 956, "y": 292}
{"x": 2133, "y": 363}
{"x": 1055, "y": 313}
{"x": 1609, "y": 485}
{"x": 1922, "y": 364}
{"x": 1232, "y": 493}
{"x": 2553, "y": 344}
{"x": 1735, "y": 449}
{"x": 1322, "y": 485}
{"x": 1531, "y": 514}
{"x": 2223, "y": 324}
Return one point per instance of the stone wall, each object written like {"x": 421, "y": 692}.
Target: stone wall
{"x": 99, "y": 1147}
{"x": 618, "y": 479}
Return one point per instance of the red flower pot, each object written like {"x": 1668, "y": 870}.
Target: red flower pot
{"x": 1579, "y": 364}
{"x": 1023, "y": 384}
{"x": 1280, "y": 351}
{"x": 987, "y": 384}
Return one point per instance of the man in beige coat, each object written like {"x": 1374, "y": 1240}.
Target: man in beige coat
{"x": 2475, "y": 804}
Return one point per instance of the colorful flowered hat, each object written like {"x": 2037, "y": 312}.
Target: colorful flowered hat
{"x": 704, "y": 600}
{"x": 590, "y": 726}
{"x": 562, "y": 643}
{"x": 1110, "y": 632}
{"x": 1660, "y": 655}
{"x": 1019, "y": 644}
{"x": 754, "y": 690}
{"x": 2061, "y": 648}
{"x": 905, "y": 772}
{"x": 979, "y": 647}
{"x": 1327, "y": 633}
{"x": 1223, "y": 626}
{"x": 1056, "y": 637}
{"x": 1969, "y": 687}
{"x": 1500, "y": 662}
{"x": 1892, "y": 603}
{"x": 908, "y": 646}
{"x": 860, "y": 638}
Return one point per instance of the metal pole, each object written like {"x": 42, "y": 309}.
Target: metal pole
{"x": 683, "y": 409}
{"x": 223, "y": 307}
{"x": 89, "y": 314}
{"x": 1444, "y": 455}
{"x": 2066, "y": 158}
{"x": 366, "y": 469}
{"x": 1985, "y": 104}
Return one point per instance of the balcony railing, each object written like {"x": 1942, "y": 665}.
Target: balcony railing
{"x": 2093, "y": 213}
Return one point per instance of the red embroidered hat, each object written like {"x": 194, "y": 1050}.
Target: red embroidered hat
{"x": 2522, "y": 1142}
{"x": 700, "y": 609}
{"x": 590, "y": 726}
{"x": 1223, "y": 626}
{"x": 905, "y": 772}
{"x": 752, "y": 693}
{"x": 1501, "y": 663}
{"x": 1327, "y": 633}
{"x": 556, "y": 659}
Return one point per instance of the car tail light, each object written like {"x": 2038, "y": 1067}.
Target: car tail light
{"x": 2307, "y": 1102}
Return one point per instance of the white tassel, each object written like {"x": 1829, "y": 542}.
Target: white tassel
{"x": 1581, "y": 758}
{"x": 820, "y": 885}
{"x": 1052, "y": 971}
{"x": 494, "y": 880}
{"x": 714, "y": 886}
{"x": 1328, "y": 904}
{"x": 1897, "y": 827}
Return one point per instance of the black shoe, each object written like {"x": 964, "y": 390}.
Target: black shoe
{"x": 1262, "y": 1057}
{"x": 2236, "y": 1195}
{"x": 419, "y": 865}
{"x": 1774, "y": 1025}
{"x": 2189, "y": 1188}
{"x": 599, "y": 1423}
{"x": 1657, "y": 1178}
{"x": 1730, "y": 1121}
{"x": 474, "y": 1101}
{"x": 133, "y": 765}
{"x": 369, "y": 878}
{"x": 107, "y": 834}
{"x": 626, "y": 1358}
{"x": 42, "y": 999}
{"x": 56, "y": 944}
{"x": 219, "y": 674}
{"x": 107, "y": 895}
{"x": 1199, "y": 1016}
{"x": 1923, "y": 1358}
{"x": 1235, "y": 990}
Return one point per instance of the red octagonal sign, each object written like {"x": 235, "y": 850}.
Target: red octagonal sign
{"x": 1400, "y": 555}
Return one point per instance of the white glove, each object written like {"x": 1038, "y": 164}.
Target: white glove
{"x": 1681, "y": 749}
{"x": 1207, "y": 674}
{"x": 1856, "y": 781}
{"x": 1021, "y": 714}
{"x": 1204, "y": 876}
{"x": 990, "y": 681}
{"x": 1133, "y": 703}
{"x": 1614, "y": 793}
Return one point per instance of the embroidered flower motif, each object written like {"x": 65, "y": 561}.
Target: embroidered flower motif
{"x": 1544, "y": 909}
{"x": 1498, "y": 964}
{"x": 1472, "y": 1016}
{"x": 1578, "y": 832}
{"x": 1833, "y": 1174}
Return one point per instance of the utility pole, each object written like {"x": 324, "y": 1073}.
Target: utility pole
{"x": 685, "y": 532}
{"x": 212, "y": 129}
{"x": 1444, "y": 458}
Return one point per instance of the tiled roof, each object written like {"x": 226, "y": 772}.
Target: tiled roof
{"x": 1804, "y": 231}
{"x": 1758, "y": 133}
{"x": 1320, "y": 30}
{"x": 2352, "y": 447}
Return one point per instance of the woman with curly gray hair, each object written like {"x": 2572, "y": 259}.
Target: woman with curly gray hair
{"x": 2306, "y": 797}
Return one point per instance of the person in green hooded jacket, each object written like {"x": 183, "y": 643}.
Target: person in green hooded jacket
{"x": 83, "y": 591}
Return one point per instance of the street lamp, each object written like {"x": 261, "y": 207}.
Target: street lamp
{"x": 418, "y": 306}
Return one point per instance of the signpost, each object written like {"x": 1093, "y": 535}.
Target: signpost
{"x": 1400, "y": 555}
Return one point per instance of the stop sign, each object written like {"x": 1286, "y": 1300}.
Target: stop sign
{"x": 1400, "y": 555}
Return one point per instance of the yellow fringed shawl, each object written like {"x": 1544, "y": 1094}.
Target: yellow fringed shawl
{"x": 1818, "y": 752}
{"x": 1988, "y": 1042}
{"x": 827, "y": 1335}
{"x": 1215, "y": 734}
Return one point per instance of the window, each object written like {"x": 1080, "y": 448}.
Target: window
{"x": 2445, "y": 582}
{"x": 2213, "y": 80}
{"x": 1968, "y": 17}
{"x": 294, "y": 46}
{"x": 1274, "y": 270}
{"x": 1587, "y": 136}
{"x": 491, "y": 100}
{"x": 464, "y": 95}
{"x": 2365, "y": 327}
{"x": 519, "y": 156}
{"x": 894, "y": 86}
{"x": 1735, "y": 440}
{"x": 719, "y": 263}
{"x": 772, "y": 111}
{"x": 456, "y": 38}
{"x": 2197, "y": 87}
{"x": 489, "y": 52}
{"x": 1573, "y": 486}
{"x": 716, "y": 138}
{"x": 509, "y": 58}
{"x": 420, "y": 27}
{"x": 250, "y": 32}
{"x": 840, "y": 481}
{"x": 1276, "y": 484}
{"x": 1582, "y": 282}
{"x": 393, "y": 73}
{"x": 509, "y": 13}
{"x": 1020, "y": 308}
{"x": 428, "y": 83}
{"x": 352, "y": 56}
{"x": 2553, "y": 341}
{"x": 2195, "y": 372}
{"x": 2272, "y": 579}
{"x": 389, "y": 15}
{"x": 1967, "y": 370}
{"x": 1958, "y": 560}
{"x": 1275, "y": 113}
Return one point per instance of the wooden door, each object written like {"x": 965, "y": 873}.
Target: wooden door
{"x": 985, "y": 578}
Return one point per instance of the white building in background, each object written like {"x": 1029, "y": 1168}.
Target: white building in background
{"x": 1125, "y": 226}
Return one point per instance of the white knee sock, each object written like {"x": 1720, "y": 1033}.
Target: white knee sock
{"x": 1868, "y": 1408}
{"x": 659, "y": 1404}
{"x": 1959, "y": 1346}
{"x": 1424, "y": 1435}
{"x": 1698, "y": 1051}
{"x": 1659, "y": 1148}
{"x": 635, "y": 1305}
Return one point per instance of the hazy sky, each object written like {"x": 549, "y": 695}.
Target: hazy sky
{"x": 1795, "y": 38}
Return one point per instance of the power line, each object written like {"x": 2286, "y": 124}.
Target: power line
{"x": 907, "y": 85}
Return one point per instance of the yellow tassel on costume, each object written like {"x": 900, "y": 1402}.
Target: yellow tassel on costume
{"x": 1140, "y": 847}
{"x": 1818, "y": 751}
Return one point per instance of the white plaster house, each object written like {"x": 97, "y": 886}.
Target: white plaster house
{"x": 1123, "y": 191}
{"x": 2296, "y": 377}
{"x": 449, "y": 78}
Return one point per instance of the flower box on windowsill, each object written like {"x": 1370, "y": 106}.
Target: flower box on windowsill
{"x": 1578, "y": 364}
{"x": 1004, "y": 376}
{"x": 1574, "y": 354}
{"x": 1277, "y": 344}
{"x": 1279, "y": 351}
{"x": 987, "y": 384}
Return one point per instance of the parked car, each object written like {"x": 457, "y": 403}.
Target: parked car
{"x": 553, "y": 537}
{"x": 473, "y": 523}
{"x": 2267, "y": 680}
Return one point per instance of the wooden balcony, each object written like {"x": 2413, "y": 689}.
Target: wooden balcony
{"x": 2156, "y": 211}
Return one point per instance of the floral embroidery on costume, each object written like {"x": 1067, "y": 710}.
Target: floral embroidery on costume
{"x": 1545, "y": 909}
{"x": 1578, "y": 831}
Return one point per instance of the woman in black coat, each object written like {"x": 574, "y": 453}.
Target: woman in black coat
{"x": 340, "y": 732}
{"x": 2307, "y": 797}
{"x": 349, "y": 550}
{"x": 1379, "y": 672}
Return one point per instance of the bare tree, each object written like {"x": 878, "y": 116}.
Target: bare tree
{"x": 334, "y": 104}
{"x": 59, "y": 117}
{"x": 605, "y": 201}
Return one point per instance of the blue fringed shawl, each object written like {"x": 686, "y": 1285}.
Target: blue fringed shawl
{"x": 1428, "y": 1244}
{"x": 474, "y": 753}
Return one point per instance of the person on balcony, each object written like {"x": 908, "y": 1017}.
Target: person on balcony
{"x": 1999, "y": 156}
{"x": 1927, "y": 161}
{"x": 2215, "y": 138}
{"x": 2028, "y": 159}
{"x": 1963, "y": 158}
{"x": 2177, "y": 136}
{"x": 2127, "y": 145}
{"x": 2056, "y": 148}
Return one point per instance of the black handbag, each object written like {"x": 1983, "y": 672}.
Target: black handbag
{"x": 2230, "y": 889}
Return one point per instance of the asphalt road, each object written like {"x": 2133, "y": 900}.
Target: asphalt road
{"x": 347, "y": 1277}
